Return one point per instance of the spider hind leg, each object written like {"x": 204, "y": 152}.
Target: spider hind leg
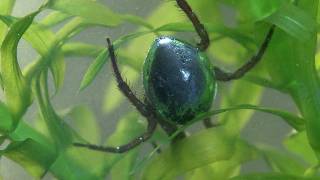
{"x": 144, "y": 109}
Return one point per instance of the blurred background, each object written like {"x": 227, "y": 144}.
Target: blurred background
{"x": 262, "y": 127}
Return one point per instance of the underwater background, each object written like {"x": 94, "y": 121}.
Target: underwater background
{"x": 101, "y": 101}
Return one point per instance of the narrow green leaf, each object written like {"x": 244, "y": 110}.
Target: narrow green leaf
{"x": 296, "y": 122}
{"x": 269, "y": 176}
{"x": 31, "y": 155}
{"x": 81, "y": 49}
{"x": 91, "y": 11}
{"x": 250, "y": 93}
{"x": 228, "y": 168}
{"x": 253, "y": 11}
{"x": 234, "y": 34}
{"x": 94, "y": 69}
{"x": 54, "y": 18}
{"x": 122, "y": 170}
{"x": 41, "y": 39}
{"x": 25, "y": 131}
{"x": 6, "y": 7}
{"x": 294, "y": 21}
{"x": 298, "y": 144}
{"x": 6, "y": 121}
{"x": 282, "y": 162}
{"x": 212, "y": 145}
{"x": 136, "y": 20}
{"x": 58, "y": 68}
{"x": 17, "y": 91}
{"x": 59, "y": 132}
{"x": 291, "y": 63}
{"x": 98, "y": 63}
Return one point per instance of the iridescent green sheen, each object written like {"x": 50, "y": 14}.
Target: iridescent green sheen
{"x": 178, "y": 80}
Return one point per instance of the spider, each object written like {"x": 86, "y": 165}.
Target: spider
{"x": 179, "y": 82}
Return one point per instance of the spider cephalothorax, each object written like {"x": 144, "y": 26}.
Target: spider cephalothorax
{"x": 179, "y": 81}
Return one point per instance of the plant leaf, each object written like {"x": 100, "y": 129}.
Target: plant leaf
{"x": 6, "y": 120}
{"x": 31, "y": 155}
{"x": 81, "y": 49}
{"x": 17, "y": 91}
{"x": 228, "y": 168}
{"x": 54, "y": 18}
{"x": 298, "y": 144}
{"x": 268, "y": 176}
{"x": 91, "y": 11}
{"x": 85, "y": 123}
{"x": 294, "y": 21}
{"x": 282, "y": 162}
{"x": 212, "y": 145}
{"x": 74, "y": 163}
{"x": 97, "y": 64}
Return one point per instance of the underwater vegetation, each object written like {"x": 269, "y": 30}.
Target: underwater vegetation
{"x": 45, "y": 145}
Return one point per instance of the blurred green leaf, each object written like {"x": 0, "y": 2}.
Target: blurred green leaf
{"x": 85, "y": 122}
{"x": 25, "y": 131}
{"x": 293, "y": 120}
{"x": 294, "y": 21}
{"x": 252, "y": 11}
{"x": 122, "y": 170}
{"x": 91, "y": 11}
{"x": 234, "y": 34}
{"x": 59, "y": 131}
{"x": 200, "y": 149}
{"x": 250, "y": 94}
{"x": 291, "y": 64}
{"x": 282, "y": 162}
{"x": 6, "y": 7}
{"x": 17, "y": 91}
{"x": 74, "y": 163}
{"x": 41, "y": 39}
{"x": 81, "y": 49}
{"x": 31, "y": 155}
{"x": 54, "y": 18}
{"x": 94, "y": 69}
{"x": 6, "y": 121}
{"x": 269, "y": 176}
{"x": 102, "y": 58}
{"x": 298, "y": 144}
{"x": 227, "y": 168}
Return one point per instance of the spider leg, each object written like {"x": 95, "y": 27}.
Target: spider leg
{"x": 144, "y": 109}
{"x": 209, "y": 124}
{"x": 123, "y": 148}
{"x": 199, "y": 27}
{"x": 226, "y": 76}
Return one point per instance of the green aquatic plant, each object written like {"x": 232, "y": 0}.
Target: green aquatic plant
{"x": 289, "y": 66}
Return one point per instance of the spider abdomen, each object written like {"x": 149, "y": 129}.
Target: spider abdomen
{"x": 178, "y": 80}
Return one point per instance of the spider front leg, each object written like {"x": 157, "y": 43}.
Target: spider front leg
{"x": 199, "y": 27}
{"x": 226, "y": 76}
{"x": 144, "y": 109}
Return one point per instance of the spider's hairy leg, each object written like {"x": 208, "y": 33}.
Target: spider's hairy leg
{"x": 226, "y": 76}
{"x": 152, "y": 124}
{"x": 199, "y": 27}
{"x": 144, "y": 109}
